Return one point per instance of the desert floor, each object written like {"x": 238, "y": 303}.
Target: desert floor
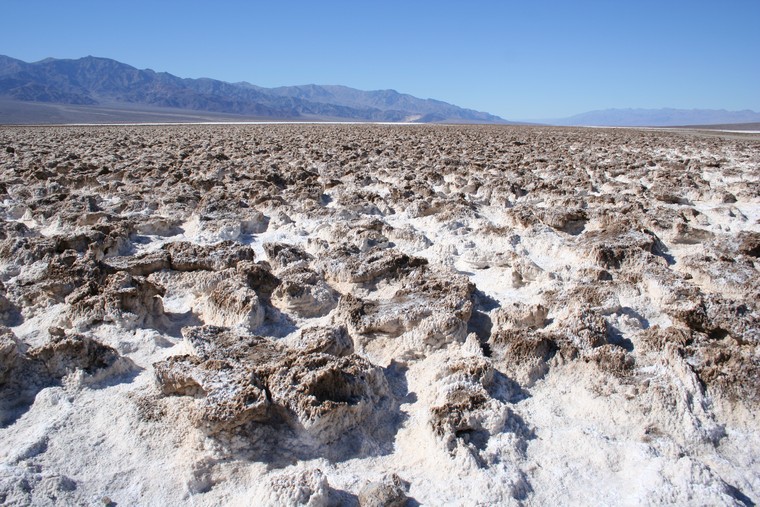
{"x": 378, "y": 315}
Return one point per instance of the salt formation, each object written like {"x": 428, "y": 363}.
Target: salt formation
{"x": 244, "y": 380}
{"x": 378, "y": 315}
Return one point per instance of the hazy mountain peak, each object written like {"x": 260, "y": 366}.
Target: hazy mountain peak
{"x": 663, "y": 117}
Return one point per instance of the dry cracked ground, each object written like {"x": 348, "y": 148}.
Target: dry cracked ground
{"x": 378, "y": 315}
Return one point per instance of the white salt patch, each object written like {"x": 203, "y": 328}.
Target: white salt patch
{"x": 34, "y": 330}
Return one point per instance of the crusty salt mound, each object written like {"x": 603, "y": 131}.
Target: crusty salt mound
{"x": 378, "y": 316}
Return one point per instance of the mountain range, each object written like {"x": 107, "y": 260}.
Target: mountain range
{"x": 666, "y": 117}
{"x": 61, "y": 91}
{"x": 101, "y": 90}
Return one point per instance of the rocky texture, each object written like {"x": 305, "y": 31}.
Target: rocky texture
{"x": 66, "y": 354}
{"x": 74, "y": 359}
{"x": 466, "y": 413}
{"x": 243, "y": 380}
{"x": 309, "y": 488}
{"x": 307, "y": 314}
{"x": 9, "y": 353}
{"x": 390, "y": 492}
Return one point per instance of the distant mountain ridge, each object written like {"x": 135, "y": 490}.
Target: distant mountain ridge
{"x": 94, "y": 82}
{"x": 666, "y": 117}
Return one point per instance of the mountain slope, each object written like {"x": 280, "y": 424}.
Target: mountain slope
{"x": 384, "y": 100}
{"x": 101, "y": 82}
{"x": 666, "y": 117}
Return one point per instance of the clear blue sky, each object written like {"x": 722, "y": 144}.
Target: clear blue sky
{"x": 518, "y": 59}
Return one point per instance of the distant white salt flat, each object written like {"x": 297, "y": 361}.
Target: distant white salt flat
{"x": 167, "y": 124}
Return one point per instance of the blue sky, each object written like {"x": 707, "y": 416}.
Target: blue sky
{"x": 518, "y": 59}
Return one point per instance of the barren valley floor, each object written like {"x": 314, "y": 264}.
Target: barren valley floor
{"x": 378, "y": 315}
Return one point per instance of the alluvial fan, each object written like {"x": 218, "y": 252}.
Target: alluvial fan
{"x": 378, "y": 315}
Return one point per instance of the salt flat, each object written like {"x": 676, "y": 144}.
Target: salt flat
{"x": 296, "y": 314}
